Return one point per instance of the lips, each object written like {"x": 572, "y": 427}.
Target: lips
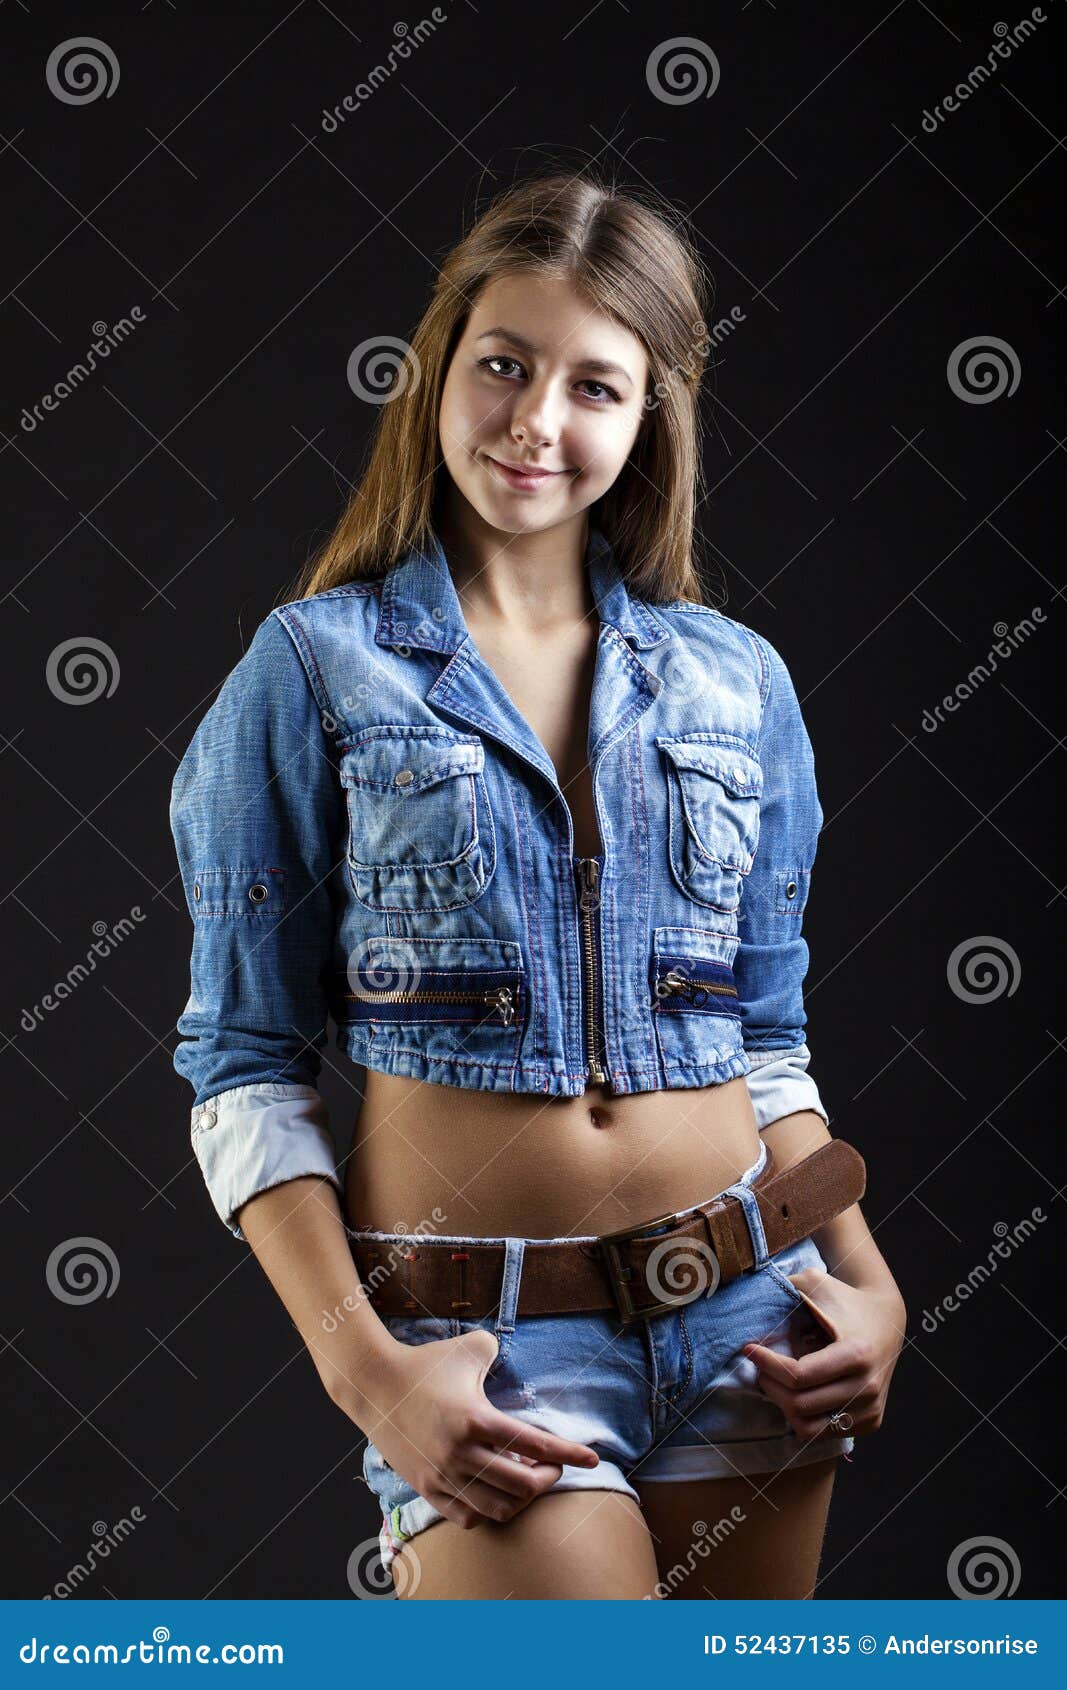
{"x": 528, "y": 479}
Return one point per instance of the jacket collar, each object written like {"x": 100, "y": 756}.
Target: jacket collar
{"x": 420, "y": 605}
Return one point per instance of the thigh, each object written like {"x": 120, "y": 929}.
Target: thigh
{"x": 741, "y": 1537}
{"x": 580, "y": 1544}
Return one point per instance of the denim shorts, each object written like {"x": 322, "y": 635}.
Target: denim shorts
{"x": 667, "y": 1398}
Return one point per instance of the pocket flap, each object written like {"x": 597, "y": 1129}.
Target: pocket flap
{"x": 738, "y": 771}
{"x": 402, "y": 760}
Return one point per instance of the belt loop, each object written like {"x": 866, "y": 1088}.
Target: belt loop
{"x": 754, "y": 1220}
{"x": 514, "y": 1250}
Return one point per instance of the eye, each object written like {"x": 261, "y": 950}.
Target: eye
{"x": 498, "y": 358}
{"x": 605, "y": 396}
{"x": 613, "y": 396}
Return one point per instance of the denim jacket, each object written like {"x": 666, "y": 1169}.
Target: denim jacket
{"x": 367, "y": 828}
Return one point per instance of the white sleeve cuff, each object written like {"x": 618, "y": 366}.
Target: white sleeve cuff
{"x": 253, "y": 1137}
{"x": 779, "y": 1084}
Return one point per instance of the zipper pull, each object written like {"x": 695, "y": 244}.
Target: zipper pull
{"x": 675, "y": 983}
{"x": 501, "y": 999}
{"x": 590, "y": 872}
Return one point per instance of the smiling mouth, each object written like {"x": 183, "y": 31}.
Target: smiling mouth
{"x": 532, "y": 476}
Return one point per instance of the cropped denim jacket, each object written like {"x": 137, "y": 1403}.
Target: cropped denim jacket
{"x": 369, "y": 830}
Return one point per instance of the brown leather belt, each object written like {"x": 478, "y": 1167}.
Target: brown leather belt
{"x": 699, "y": 1250}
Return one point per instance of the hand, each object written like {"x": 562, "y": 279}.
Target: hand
{"x": 850, "y": 1373}
{"x": 441, "y": 1433}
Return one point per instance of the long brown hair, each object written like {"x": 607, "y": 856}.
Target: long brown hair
{"x": 627, "y": 257}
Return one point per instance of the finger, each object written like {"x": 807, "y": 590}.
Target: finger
{"x": 826, "y": 1399}
{"x": 501, "y": 1430}
{"x": 790, "y": 1402}
{"x": 803, "y": 1373}
{"x": 490, "y": 1500}
{"x": 519, "y": 1478}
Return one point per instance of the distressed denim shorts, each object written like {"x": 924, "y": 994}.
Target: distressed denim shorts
{"x": 667, "y": 1398}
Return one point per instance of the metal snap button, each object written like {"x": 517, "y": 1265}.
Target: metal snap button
{"x": 258, "y": 892}
{"x": 739, "y": 776}
{"x": 403, "y": 778}
{"x": 791, "y": 889}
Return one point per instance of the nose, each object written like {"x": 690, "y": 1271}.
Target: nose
{"x": 535, "y": 416}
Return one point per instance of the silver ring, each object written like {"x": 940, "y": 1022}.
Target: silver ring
{"x": 839, "y": 1422}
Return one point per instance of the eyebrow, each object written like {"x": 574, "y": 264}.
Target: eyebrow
{"x": 601, "y": 365}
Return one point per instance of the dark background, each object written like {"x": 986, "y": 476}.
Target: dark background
{"x": 871, "y": 522}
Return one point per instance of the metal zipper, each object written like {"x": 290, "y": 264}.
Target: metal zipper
{"x": 675, "y": 983}
{"x": 500, "y": 998}
{"x": 588, "y": 905}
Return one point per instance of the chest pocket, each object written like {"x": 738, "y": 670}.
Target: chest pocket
{"x": 421, "y": 832}
{"x": 713, "y": 794}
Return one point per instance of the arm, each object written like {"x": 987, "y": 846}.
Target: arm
{"x": 259, "y": 819}
{"x": 259, "y": 823}
{"x": 845, "y": 1243}
{"x": 857, "y": 1301}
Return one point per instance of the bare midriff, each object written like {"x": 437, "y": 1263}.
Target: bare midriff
{"x": 490, "y": 1164}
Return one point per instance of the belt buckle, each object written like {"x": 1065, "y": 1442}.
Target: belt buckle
{"x": 619, "y": 1271}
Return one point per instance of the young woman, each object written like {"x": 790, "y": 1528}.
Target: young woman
{"x": 536, "y": 825}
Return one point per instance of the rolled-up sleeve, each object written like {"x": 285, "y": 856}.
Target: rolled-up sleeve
{"x": 772, "y": 959}
{"x": 259, "y": 823}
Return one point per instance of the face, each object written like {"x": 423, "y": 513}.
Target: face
{"x": 539, "y": 382}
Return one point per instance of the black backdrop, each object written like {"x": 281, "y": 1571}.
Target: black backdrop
{"x": 880, "y": 506}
